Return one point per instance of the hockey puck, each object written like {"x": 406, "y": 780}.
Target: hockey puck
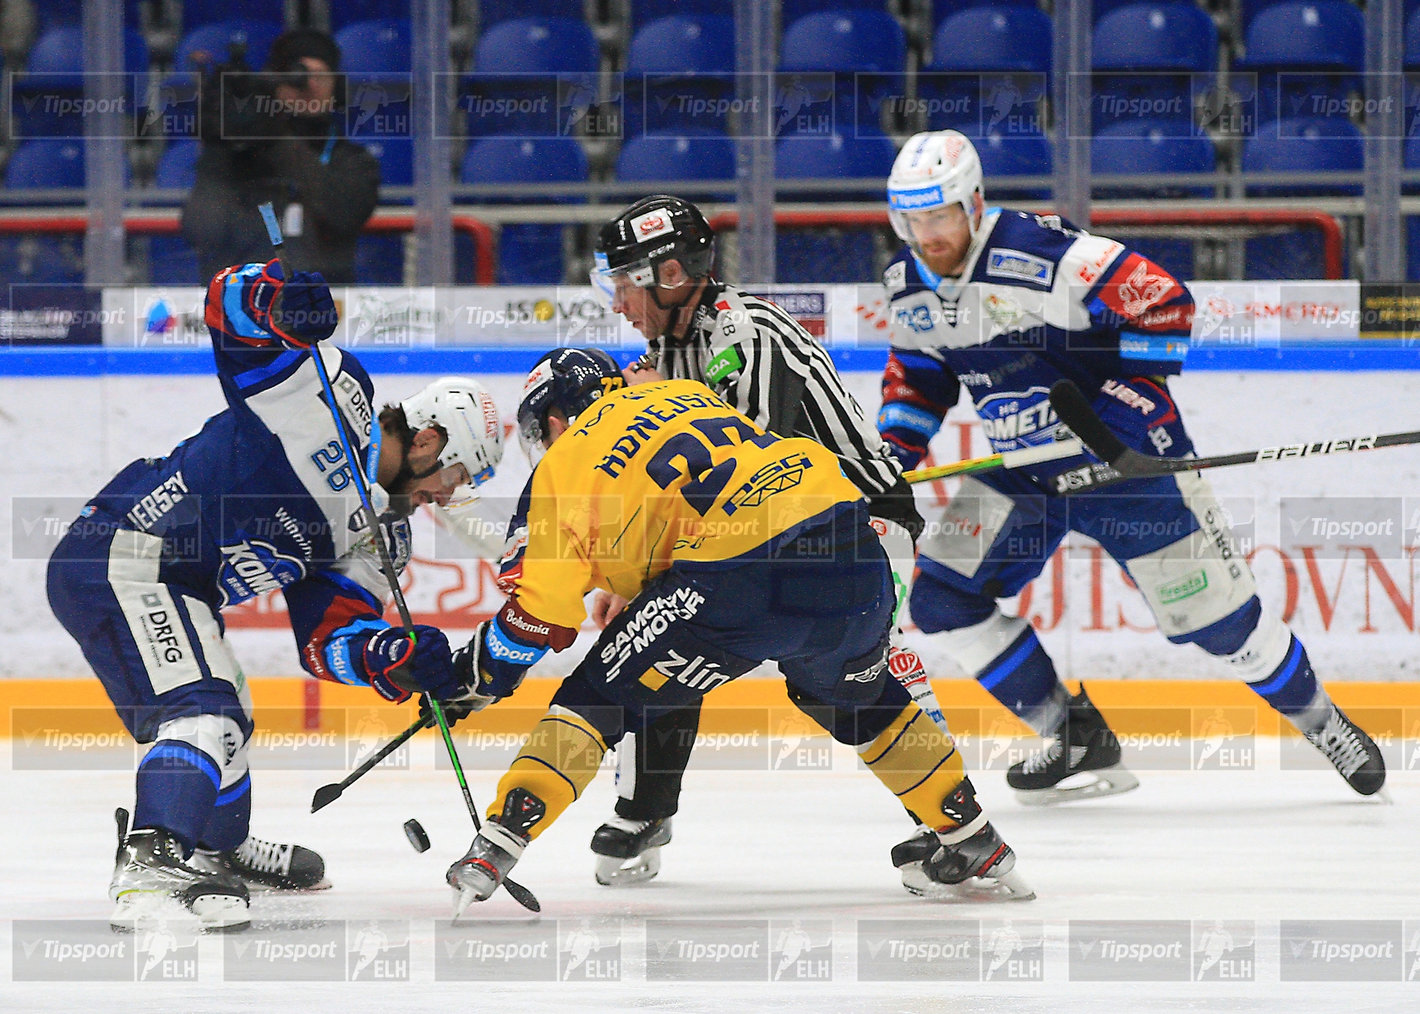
{"x": 414, "y": 831}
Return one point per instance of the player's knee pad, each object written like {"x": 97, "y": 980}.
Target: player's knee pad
{"x": 976, "y": 646}
{"x": 557, "y": 761}
{"x": 1255, "y": 642}
{"x": 918, "y": 763}
{"x": 936, "y": 605}
{"x": 609, "y": 719}
{"x": 220, "y": 739}
{"x": 1200, "y": 579}
{"x": 858, "y": 724}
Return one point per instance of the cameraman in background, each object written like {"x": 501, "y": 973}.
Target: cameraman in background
{"x": 276, "y": 136}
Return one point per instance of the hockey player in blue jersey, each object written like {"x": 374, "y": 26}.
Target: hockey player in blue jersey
{"x": 260, "y": 499}
{"x": 1003, "y": 304}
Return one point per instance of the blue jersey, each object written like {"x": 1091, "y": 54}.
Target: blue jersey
{"x": 1037, "y": 301}
{"x": 261, "y": 498}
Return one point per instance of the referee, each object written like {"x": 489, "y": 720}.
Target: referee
{"x": 654, "y": 264}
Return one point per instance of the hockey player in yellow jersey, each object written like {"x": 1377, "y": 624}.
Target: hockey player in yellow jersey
{"x": 734, "y": 546}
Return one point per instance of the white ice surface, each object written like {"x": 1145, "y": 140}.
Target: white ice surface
{"x": 1248, "y": 848}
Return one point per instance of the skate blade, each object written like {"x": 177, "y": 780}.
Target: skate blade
{"x": 463, "y": 898}
{"x": 1008, "y": 887}
{"x": 1104, "y": 782}
{"x": 613, "y": 871}
{"x": 139, "y": 911}
{"x": 257, "y": 887}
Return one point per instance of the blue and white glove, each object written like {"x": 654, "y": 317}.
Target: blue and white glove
{"x": 304, "y": 309}
{"x": 399, "y": 666}
{"x": 492, "y": 665}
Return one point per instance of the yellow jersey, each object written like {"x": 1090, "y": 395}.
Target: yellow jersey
{"x": 653, "y": 474}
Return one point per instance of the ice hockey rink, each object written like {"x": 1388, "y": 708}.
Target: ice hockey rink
{"x": 1262, "y": 887}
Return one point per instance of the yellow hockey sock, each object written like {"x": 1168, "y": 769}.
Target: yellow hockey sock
{"x": 558, "y": 760}
{"x": 919, "y": 763}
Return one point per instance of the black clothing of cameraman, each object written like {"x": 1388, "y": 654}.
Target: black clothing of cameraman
{"x": 277, "y": 137}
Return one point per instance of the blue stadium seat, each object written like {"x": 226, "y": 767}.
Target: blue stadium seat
{"x": 349, "y": 12}
{"x": 42, "y": 164}
{"x": 832, "y": 254}
{"x": 1019, "y": 154}
{"x": 1412, "y": 222}
{"x": 1412, "y": 41}
{"x": 490, "y": 12}
{"x": 170, "y": 260}
{"x": 379, "y": 257}
{"x": 643, "y": 12}
{"x": 1150, "y": 60}
{"x": 527, "y": 254}
{"x": 533, "y": 77}
{"x": 381, "y": 46}
{"x": 1154, "y": 146}
{"x": 212, "y": 45}
{"x": 989, "y": 71}
{"x": 1297, "y": 145}
{"x": 204, "y": 12}
{"x": 1156, "y": 36}
{"x": 864, "y": 50}
{"x": 686, "y": 155}
{"x": 680, "y": 73}
{"x": 53, "y": 13}
{"x": 55, "y": 71}
{"x": 792, "y": 10}
{"x": 1306, "y": 56}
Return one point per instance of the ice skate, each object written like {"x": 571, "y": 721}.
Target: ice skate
{"x": 491, "y": 857}
{"x": 629, "y": 851}
{"x": 1082, "y": 762}
{"x": 266, "y": 866}
{"x": 150, "y": 875}
{"x": 1353, "y": 753}
{"x": 977, "y": 867}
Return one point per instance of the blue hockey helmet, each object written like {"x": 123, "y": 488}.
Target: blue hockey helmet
{"x": 567, "y": 380}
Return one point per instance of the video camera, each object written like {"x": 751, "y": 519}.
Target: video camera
{"x": 240, "y": 107}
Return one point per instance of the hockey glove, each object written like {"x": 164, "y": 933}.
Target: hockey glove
{"x": 300, "y": 311}
{"x": 483, "y": 669}
{"x": 399, "y": 666}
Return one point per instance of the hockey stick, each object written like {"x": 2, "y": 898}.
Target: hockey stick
{"x": 1122, "y": 462}
{"x": 519, "y": 893}
{"x": 1006, "y": 459}
{"x": 327, "y": 794}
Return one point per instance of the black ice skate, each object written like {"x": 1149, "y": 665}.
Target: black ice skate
{"x": 1353, "y": 753}
{"x": 150, "y": 874}
{"x": 495, "y": 850}
{"x": 969, "y": 862}
{"x": 1083, "y": 761}
{"x": 629, "y": 851}
{"x": 267, "y": 866}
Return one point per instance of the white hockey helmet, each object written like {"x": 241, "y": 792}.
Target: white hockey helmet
{"x": 465, "y": 411}
{"x": 936, "y": 168}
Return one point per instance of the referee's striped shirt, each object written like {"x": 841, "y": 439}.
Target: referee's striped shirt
{"x": 762, "y": 361}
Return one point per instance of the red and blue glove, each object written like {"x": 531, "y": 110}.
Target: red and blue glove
{"x": 304, "y": 309}
{"x": 399, "y": 666}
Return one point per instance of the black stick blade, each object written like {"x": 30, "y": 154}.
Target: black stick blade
{"x": 1074, "y": 410}
{"x": 325, "y": 795}
{"x": 522, "y": 896}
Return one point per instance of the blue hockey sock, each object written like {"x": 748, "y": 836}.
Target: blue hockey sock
{"x": 230, "y": 822}
{"x": 1293, "y": 689}
{"x": 1023, "y": 679}
{"x": 176, "y": 790}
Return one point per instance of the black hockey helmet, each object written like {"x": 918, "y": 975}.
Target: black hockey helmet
{"x": 567, "y": 380}
{"x": 654, "y": 229}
